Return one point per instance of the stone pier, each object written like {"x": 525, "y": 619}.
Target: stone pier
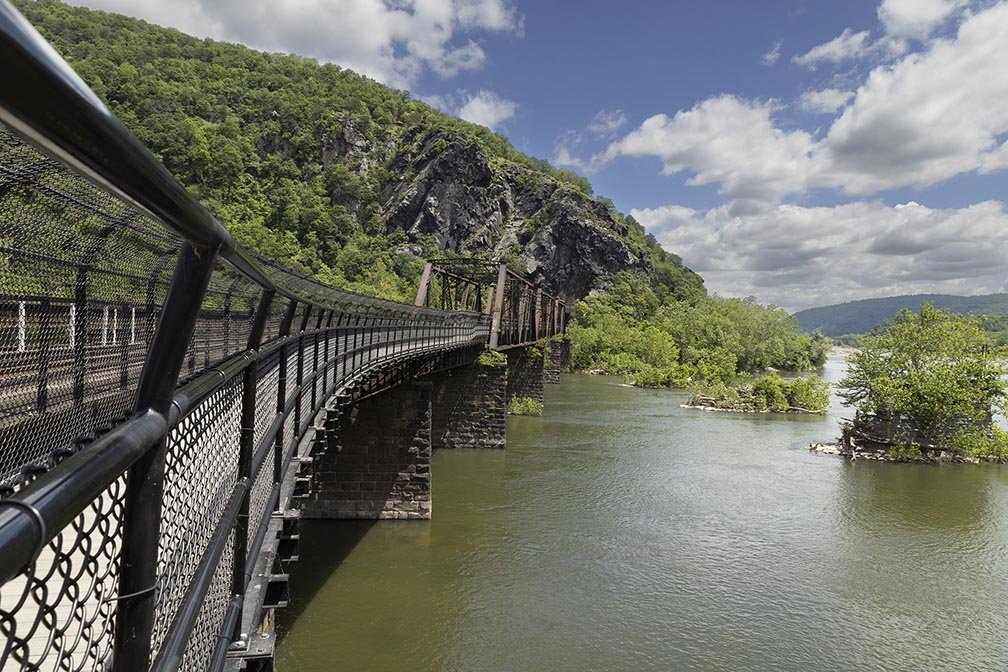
{"x": 377, "y": 459}
{"x": 525, "y": 373}
{"x": 557, "y": 359}
{"x": 470, "y": 406}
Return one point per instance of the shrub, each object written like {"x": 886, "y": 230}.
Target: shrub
{"x": 524, "y": 406}
{"x": 492, "y": 358}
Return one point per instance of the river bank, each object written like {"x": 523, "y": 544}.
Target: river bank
{"x": 933, "y": 457}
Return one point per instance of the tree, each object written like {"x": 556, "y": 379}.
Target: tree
{"x": 938, "y": 370}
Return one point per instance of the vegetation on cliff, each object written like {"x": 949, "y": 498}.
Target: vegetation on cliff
{"x": 659, "y": 337}
{"x": 339, "y": 176}
{"x": 769, "y": 393}
{"x": 938, "y": 376}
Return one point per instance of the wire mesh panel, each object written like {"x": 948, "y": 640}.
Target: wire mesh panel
{"x": 211, "y": 616}
{"x": 59, "y": 614}
{"x": 82, "y": 278}
{"x": 201, "y": 469}
{"x": 82, "y": 281}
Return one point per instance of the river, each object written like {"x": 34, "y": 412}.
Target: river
{"x": 622, "y": 532}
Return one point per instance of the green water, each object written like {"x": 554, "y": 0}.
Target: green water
{"x": 622, "y": 532}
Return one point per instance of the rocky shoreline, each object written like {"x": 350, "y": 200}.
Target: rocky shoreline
{"x": 790, "y": 411}
{"x": 935, "y": 457}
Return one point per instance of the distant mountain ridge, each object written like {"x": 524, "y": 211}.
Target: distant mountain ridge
{"x": 856, "y": 317}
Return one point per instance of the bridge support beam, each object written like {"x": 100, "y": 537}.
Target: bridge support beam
{"x": 525, "y": 373}
{"x": 376, "y": 464}
{"x": 470, "y": 406}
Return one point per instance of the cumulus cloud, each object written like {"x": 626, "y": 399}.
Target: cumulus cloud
{"x": 925, "y": 118}
{"x": 727, "y": 141}
{"x": 825, "y": 101}
{"x": 930, "y": 116}
{"x": 799, "y": 257}
{"x": 487, "y": 109}
{"x": 393, "y": 42}
{"x": 845, "y": 46}
{"x": 915, "y": 18}
{"x": 771, "y": 57}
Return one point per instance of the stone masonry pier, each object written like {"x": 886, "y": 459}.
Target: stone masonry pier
{"x": 372, "y": 460}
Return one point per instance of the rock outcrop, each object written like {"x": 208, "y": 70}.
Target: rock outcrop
{"x": 444, "y": 185}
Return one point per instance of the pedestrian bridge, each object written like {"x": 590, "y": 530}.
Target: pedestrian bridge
{"x": 172, "y": 404}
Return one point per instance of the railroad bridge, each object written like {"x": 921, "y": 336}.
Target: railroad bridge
{"x": 171, "y": 404}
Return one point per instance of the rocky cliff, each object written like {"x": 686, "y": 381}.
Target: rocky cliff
{"x": 444, "y": 185}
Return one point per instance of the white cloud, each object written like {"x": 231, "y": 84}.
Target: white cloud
{"x": 564, "y": 152}
{"x": 487, "y": 109}
{"x": 845, "y": 46}
{"x": 826, "y": 101}
{"x": 393, "y": 42}
{"x": 925, "y": 118}
{"x": 607, "y": 122}
{"x": 915, "y": 18}
{"x": 771, "y": 57}
{"x": 799, "y": 257}
{"x": 728, "y": 141}
{"x": 929, "y": 117}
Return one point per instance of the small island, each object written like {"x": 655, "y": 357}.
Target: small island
{"x": 925, "y": 388}
{"x": 766, "y": 394}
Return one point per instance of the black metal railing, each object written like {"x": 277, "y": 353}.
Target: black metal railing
{"x": 156, "y": 379}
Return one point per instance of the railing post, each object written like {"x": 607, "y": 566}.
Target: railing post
{"x": 278, "y": 446}
{"x": 498, "y": 307}
{"x": 246, "y": 447}
{"x": 134, "y": 621}
{"x": 300, "y": 372}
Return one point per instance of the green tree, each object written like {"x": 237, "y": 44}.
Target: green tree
{"x": 937, "y": 369}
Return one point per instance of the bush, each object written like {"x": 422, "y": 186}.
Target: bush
{"x": 524, "y": 406}
{"x": 492, "y": 358}
{"x": 767, "y": 393}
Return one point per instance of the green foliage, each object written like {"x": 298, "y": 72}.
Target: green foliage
{"x": 766, "y": 393}
{"x": 657, "y": 338}
{"x": 989, "y": 441}
{"x": 524, "y": 406}
{"x": 938, "y": 369}
{"x": 492, "y": 358}
{"x": 904, "y": 450}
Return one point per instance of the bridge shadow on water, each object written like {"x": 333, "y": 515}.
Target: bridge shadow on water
{"x": 325, "y": 545}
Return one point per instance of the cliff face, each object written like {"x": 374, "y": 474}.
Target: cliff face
{"x": 446, "y": 186}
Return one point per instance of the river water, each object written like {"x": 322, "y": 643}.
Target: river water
{"x": 622, "y": 532}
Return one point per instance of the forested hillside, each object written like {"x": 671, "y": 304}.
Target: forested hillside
{"x": 340, "y": 176}
{"x": 857, "y": 317}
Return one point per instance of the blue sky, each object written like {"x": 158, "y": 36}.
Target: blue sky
{"x": 802, "y": 152}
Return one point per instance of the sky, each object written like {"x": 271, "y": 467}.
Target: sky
{"x": 803, "y": 152}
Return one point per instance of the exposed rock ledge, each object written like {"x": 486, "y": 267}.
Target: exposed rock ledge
{"x": 937, "y": 457}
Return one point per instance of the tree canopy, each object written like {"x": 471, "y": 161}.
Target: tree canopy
{"x": 938, "y": 369}
{"x": 659, "y": 338}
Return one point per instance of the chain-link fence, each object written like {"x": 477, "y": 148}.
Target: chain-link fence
{"x": 155, "y": 382}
